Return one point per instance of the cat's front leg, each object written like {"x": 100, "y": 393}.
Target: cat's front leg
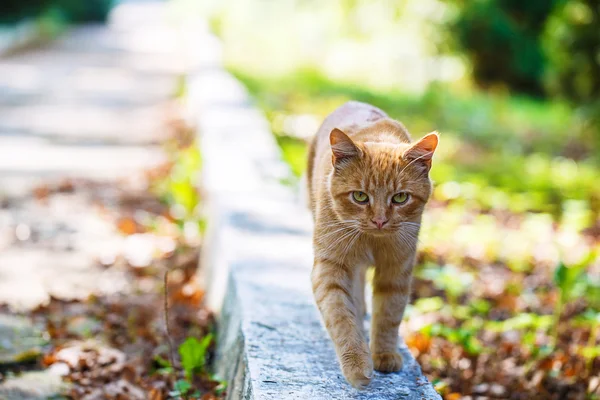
{"x": 332, "y": 284}
{"x": 390, "y": 296}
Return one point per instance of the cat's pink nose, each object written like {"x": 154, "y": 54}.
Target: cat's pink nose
{"x": 380, "y": 222}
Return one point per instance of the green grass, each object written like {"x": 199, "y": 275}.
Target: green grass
{"x": 294, "y": 152}
{"x": 510, "y": 123}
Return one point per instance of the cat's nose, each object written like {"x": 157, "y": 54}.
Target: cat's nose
{"x": 380, "y": 222}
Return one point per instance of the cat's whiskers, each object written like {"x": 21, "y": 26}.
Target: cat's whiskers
{"x": 336, "y": 244}
{"x": 339, "y": 226}
{"x": 351, "y": 242}
{"x": 348, "y": 222}
{"x": 333, "y": 244}
{"x": 409, "y": 239}
{"x": 412, "y": 228}
{"x": 347, "y": 235}
{"x": 409, "y": 223}
{"x": 404, "y": 240}
{"x": 337, "y": 231}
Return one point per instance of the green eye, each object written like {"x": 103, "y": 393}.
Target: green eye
{"x": 400, "y": 198}
{"x": 360, "y": 197}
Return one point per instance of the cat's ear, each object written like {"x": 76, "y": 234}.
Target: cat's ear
{"x": 422, "y": 151}
{"x": 342, "y": 147}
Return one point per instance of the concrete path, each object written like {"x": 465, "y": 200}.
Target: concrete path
{"x": 90, "y": 105}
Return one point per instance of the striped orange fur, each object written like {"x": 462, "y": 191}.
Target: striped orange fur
{"x": 360, "y": 153}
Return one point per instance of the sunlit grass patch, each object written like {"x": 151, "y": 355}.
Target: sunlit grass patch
{"x": 294, "y": 152}
{"x": 492, "y": 120}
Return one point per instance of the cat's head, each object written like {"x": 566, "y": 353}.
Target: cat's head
{"x": 380, "y": 187}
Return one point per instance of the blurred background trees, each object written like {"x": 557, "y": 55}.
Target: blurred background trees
{"x": 572, "y": 43}
{"x": 12, "y": 11}
{"x": 502, "y": 39}
{"x": 543, "y": 48}
{"x": 539, "y": 47}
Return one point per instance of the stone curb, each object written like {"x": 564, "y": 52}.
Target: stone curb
{"x": 257, "y": 257}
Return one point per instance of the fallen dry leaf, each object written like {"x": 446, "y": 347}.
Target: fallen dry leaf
{"x": 127, "y": 226}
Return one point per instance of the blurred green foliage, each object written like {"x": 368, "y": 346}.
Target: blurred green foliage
{"x": 465, "y": 336}
{"x": 507, "y": 152}
{"x": 180, "y": 186}
{"x": 448, "y": 278}
{"x": 572, "y": 42}
{"x": 537, "y": 47}
{"x": 13, "y": 11}
{"x": 294, "y": 152}
{"x": 503, "y": 40}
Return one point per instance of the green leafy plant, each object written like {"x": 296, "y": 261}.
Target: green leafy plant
{"x": 464, "y": 335}
{"x": 193, "y": 354}
{"x": 181, "y": 388}
{"x": 590, "y": 351}
{"x": 572, "y": 281}
{"x": 569, "y": 281}
{"x": 162, "y": 366}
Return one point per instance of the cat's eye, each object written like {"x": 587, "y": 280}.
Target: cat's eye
{"x": 360, "y": 197}
{"x": 400, "y": 198}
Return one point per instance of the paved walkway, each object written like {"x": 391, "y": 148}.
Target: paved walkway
{"x": 90, "y": 105}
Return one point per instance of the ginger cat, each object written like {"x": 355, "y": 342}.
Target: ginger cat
{"x": 368, "y": 185}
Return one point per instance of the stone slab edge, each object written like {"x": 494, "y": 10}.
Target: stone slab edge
{"x": 257, "y": 255}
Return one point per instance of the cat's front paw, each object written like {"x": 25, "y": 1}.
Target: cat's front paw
{"x": 387, "y": 362}
{"x": 357, "y": 367}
